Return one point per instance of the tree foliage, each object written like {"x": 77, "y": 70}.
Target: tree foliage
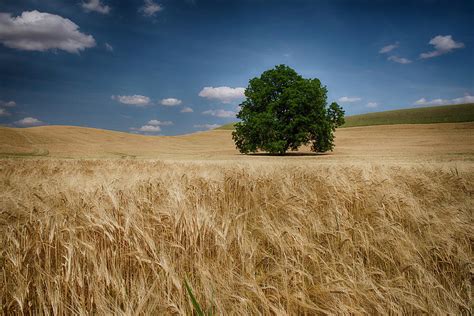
{"x": 283, "y": 111}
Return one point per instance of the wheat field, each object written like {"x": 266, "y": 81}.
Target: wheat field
{"x": 401, "y": 143}
{"x": 271, "y": 237}
{"x": 383, "y": 225}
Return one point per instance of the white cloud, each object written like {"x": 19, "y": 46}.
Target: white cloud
{"x": 95, "y": 5}
{"x": 348, "y": 99}
{"x": 136, "y": 99}
{"x": 388, "y": 48}
{"x": 186, "y": 109}
{"x": 29, "y": 121}
{"x": 207, "y": 126}
{"x": 4, "y": 112}
{"x": 431, "y": 54}
{"x": 152, "y": 126}
{"x": 147, "y": 129}
{"x": 170, "y": 102}
{"x": 150, "y": 8}
{"x": 399, "y": 60}
{"x": 109, "y": 47}
{"x": 424, "y": 101}
{"x": 38, "y": 31}
{"x": 465, "y": 99}
{"x": 220, "y": 113}
{"x": 7, "y": 103}
{"x": 372, "y": 105}
{"x": 443, "y": 45}
{"x": 223, "y": 94}
{"x": 159, "y": 123}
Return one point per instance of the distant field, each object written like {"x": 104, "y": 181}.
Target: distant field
{"x": 401, "y": 142}
{"x": 434, "y": 114}
{"x": 425, "y": 115}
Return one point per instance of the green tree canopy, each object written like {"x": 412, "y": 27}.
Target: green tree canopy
{"x": 283, "y": 111}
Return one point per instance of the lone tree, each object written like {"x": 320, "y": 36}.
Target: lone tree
{"x": 283, "y": 111}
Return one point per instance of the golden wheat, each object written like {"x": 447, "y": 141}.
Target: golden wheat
{"x": 122, "y": 236}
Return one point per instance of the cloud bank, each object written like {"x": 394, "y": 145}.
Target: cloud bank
{"x": 465, "y": 99}
{"x": 38, "y": 31}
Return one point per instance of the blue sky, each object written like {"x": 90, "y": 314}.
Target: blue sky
{"x": 143, "y": 65}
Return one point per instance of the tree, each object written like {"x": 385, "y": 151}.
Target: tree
{"x": 283, "y": 111}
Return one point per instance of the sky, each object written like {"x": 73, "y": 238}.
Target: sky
{"x": 168, "y": 67}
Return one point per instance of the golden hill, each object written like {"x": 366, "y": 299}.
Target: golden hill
{"x": 447, "y": 141}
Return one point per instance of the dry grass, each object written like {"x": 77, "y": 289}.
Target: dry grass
{"x": 450, "y": 141}
{"x": 121, "y": 236}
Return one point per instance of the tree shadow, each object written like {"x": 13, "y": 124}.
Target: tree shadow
{"x": 289, "y": 154}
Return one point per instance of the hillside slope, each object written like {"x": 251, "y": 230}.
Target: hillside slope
{"x": 425, "y": 115}
{"x": 448, "y": 141}
{"x": 74, "y": 141}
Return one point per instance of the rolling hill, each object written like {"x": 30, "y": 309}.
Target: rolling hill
{"x": 425, "y": 115}
{"x": 446, "y": 141}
